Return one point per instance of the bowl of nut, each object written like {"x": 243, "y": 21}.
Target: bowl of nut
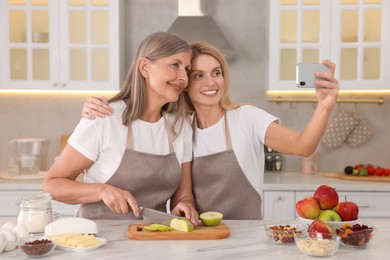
{"x": 283, "y": 233}
{"x": 317, "y": 244}
{"x": 37, "y": 248}
{"x": 356, "y": 235}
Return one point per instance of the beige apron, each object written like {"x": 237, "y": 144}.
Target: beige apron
{"x": 152, "y": 180}
{"x": 220, "y": 185}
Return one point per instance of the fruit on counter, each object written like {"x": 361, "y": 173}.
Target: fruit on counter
{"x": 74, "y": 239}
{"x": 157, "y": 227}
{"x": 182, "y": 224}
{"x": 308, "y": 208}
{"x": 326, "y": 196}
{"x": 366, "y": 170}
{"x": 342, "y": 211}
{"x": 348, "y": 170}
{"x": 329, "y": 215}
{"x": 211, "y": 218}
{"x": 356, "y": 235}
{"x": 347, "y": 210}
{"x": 319, "y": 226}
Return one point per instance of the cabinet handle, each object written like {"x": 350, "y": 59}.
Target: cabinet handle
{"x": 279, "y": 198}
{"x": 55, "y": 84}
{"x": 64, "y": 84}
{"x": 364, "y": 205}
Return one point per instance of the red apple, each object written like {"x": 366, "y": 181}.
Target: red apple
{"x": 308, "y": 208}
{"x": 327, "y": 197}
{"x": 347, "y": 210}
{"x": 319, "y": 226}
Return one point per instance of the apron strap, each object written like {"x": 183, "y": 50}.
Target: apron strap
{"x": 129, "y": 144}
{"x": 227, "y": 134}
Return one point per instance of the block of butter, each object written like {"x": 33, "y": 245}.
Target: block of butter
{"x": 75, "y": 240}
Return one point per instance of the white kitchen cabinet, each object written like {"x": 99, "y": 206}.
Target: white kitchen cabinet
{"x": 278, "y": 205}
{"x": 354, "y": 34}
{"x": 9, "y": 203}
{"x": 58, "y": 44}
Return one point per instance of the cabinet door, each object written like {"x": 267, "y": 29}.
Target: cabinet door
{"x": 60, "y": 45}
{"x": 89, "y": 44}
{"x": 28, "y": 44}
{"x": 279, "y": 205}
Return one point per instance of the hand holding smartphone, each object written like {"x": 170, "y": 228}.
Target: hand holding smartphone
{"x": 305, "y": 74}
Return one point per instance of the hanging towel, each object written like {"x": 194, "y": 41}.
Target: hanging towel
{"x": 338, "y": 130}
{"x": 360, "y": 134}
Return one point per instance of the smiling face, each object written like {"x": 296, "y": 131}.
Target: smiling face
{"x": 206, "y": 84}
{"x": 167, "y": 77}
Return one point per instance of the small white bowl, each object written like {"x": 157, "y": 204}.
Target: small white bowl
{"x": 335, "y": 224}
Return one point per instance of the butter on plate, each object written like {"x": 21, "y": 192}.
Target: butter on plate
{"x": 75, "y": 240}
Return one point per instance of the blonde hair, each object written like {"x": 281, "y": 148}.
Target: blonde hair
{"x": 204, "y": 48}
{"x": 133, "y": 92}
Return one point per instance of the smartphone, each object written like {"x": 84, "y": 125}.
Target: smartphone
{"x": 305, "y": 74}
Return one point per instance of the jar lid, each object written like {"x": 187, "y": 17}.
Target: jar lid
{"x": 35, "y": 200}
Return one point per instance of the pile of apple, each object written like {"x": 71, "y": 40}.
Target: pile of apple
{"x": 325, "y": 206}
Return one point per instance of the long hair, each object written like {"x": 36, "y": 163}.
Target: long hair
{"x": 200, "y": 48}
{"x": 133, "y": 92}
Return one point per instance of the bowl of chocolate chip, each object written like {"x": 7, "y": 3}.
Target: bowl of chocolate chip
{"x": 37, "y": 248}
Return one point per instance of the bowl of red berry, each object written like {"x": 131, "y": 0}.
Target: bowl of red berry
{"x": 356, "y": 235}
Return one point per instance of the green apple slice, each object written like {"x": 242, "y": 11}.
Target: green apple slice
{"x": 157, "y": 227}
{"x": 182, "y": 224}
{"x": 211, "y": 218}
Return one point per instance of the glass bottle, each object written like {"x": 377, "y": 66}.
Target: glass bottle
{"x": 36, "y": 212}
{"x": 278, "y": 163}
{"x": 269, "y": 164}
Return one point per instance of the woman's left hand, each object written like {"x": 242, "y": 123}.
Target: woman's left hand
{"x": 327, "y": 90}
{"x": 188, "y": 210}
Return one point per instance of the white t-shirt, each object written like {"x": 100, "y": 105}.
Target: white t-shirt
{"x": 104, "y": 140}
{"x": 247, "y": 126}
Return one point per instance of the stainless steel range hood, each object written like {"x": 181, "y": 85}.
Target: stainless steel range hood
{"x": 195, "y": 23}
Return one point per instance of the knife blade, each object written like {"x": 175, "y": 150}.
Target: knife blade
{"x": 156, "y": 217}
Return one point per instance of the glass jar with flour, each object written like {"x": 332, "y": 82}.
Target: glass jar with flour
{"x": 36, "y": 212}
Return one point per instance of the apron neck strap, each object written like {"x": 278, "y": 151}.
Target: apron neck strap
{"x": 227, "y": 133}
{"x": 129, "y": 144}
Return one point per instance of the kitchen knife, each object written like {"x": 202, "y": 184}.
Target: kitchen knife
{"x": 156, "y": 217}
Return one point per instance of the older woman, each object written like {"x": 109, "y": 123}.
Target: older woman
{"x": 141, "y": 155}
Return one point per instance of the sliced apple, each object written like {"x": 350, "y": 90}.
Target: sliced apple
{"x": 157, "y": 227}
{"x": 211, "y": 218}
{"x": 182, "y": 224}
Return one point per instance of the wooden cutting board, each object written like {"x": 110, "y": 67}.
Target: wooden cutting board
{"x": 356, "y": 178}
{"x": 136, "y": 232}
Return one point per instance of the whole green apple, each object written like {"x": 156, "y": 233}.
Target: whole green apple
{"x": 327, "y": 197}
{"x": 329, "y": 215}
{"x": 308, "y": 208}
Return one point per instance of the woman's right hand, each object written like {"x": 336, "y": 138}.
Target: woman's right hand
{"x": 96, "y": 107}
{"x": 119, "y": 201}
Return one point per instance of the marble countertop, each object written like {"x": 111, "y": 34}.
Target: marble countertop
{"x": 294, "y": 181}
{"x": 247, "y": 240}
